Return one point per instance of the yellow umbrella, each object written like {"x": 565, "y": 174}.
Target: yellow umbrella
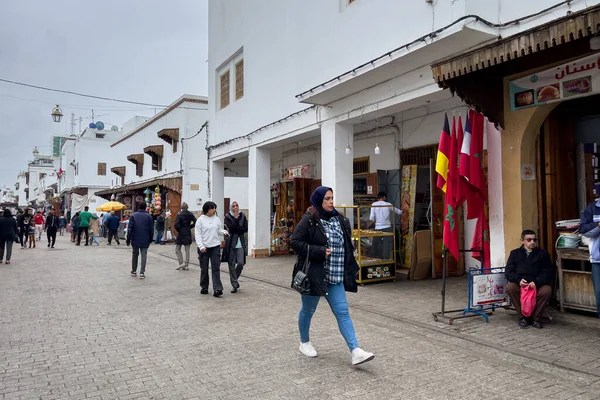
{"x": 111, "y": 206}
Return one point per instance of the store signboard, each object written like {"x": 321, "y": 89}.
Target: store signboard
{"x": 488, "y": 289}
{"x": 568, "y": 81}
{"x": 299, "y": 171}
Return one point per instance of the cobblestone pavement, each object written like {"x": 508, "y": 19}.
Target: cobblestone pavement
{"x": 75, "y": 325}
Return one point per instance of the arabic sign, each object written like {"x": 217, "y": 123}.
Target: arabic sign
{"x": 575, "y": 79}
{"x": 299, "y": 171}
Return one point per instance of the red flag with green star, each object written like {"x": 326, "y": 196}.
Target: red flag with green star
{"x": 450, "y": 203}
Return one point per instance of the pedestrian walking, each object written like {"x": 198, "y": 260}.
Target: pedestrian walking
{"x": 168, "y": 227}
{"x": 160, "y": 228}
{"x": 140, "y": 233}
{"x": 95, "y": 231}
{"x": 62, "y": 223}
{"x": 323, "y": 238}
{"x": 8, "y": 234}
{"x": 209, "y": 238}
{"x": 23, "y": 226}
{"x": 39, "y": 224}
{"x": 31, "y": 232}
{"x": 112, "y": 225}
{"x": 235, "y": 250}
{"x": 75, "y": 227}
{"x": 51, "y": 228}
{"x": 84, "y": 225}
{"x": 184, "y": 223}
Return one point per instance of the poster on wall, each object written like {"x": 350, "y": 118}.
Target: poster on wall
{"x": 299, "y": 171}
{"x": 568, "y": 81}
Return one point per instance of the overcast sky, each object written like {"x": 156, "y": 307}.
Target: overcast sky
{"x": 150, "y": 51}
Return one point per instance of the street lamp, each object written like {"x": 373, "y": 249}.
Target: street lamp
{"x": 56, "y": 114}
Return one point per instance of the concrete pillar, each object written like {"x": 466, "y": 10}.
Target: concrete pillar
{"x": 496, "y": 209}
{"x": 336, "y": 165}
{"x": 217, "y": 187}
{"x": 259, "y": 196}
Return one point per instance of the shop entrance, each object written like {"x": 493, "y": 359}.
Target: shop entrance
{"x": 567, "y": 165}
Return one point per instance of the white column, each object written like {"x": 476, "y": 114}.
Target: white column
{"x": 217, "y": 187}
{"x": 336, "y": 165}
{"x": 259, "y": 196}
{"x": 496, "y": 210}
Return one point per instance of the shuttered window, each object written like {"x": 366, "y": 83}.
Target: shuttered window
{"x": 361, "y": 165}
{"x": 225, "y": 89}
{"x": 101, "y": 169}
{"x": 239, "y": 79}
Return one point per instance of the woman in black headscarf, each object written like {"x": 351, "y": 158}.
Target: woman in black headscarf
{"x": 325, "y": 237}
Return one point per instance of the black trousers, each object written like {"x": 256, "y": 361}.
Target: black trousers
{"x": 23, "y": 236}
{"x": 113, "y": 233}
{"x": 87, "y": 234}
{"x": 212, "y": 255}
{"x": 51, "y": 233}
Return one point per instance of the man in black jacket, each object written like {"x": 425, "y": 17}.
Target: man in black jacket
{"x": 51, "y": 228}
{"x": 184, "y": 223}
{"x": 529, "y": 266}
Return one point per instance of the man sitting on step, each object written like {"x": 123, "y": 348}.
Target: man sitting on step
{"x": 529, "y": 266}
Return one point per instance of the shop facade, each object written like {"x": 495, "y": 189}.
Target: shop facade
{"x": 541, "y": 89}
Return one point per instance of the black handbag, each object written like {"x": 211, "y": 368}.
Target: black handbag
{"x": 301, "y": 283}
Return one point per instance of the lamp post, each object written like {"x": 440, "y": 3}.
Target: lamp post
{"x": 56, "y": 114}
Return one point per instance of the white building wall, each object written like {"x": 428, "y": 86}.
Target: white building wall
{"x": 21, "y": 191}
{"x": 67, "y": 180}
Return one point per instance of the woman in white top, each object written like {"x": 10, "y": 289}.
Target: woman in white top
{"x": 209, "y": 234}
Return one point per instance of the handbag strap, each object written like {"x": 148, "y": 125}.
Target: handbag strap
{"x": 306, "y": 261}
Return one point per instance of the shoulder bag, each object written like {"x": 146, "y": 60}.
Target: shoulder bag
{"x": 301, "y": 283}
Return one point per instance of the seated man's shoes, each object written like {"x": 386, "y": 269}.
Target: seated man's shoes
{"x": 523, "y": 323}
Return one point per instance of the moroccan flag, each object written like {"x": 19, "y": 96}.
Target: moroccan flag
{"x": 450, "y": 216}
{"x": 481, "y": 239}
{"x": 476, "y": 173}
{"x": 462, "y": 185}
{"x": 443, "y": 154}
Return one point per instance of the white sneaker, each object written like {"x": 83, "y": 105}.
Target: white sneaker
{"x": 307, "y": 349}
{"x": 360, "y": 356}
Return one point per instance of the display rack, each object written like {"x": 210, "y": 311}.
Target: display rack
{"x": 374, "y": 250}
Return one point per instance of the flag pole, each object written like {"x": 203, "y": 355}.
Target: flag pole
{"x": 444, "y": 262}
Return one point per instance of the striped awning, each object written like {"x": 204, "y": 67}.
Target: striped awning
{"x": 155, "y": 149}
{"x": 169, "y": 135}
{"x": 120, "y": 171}
{"x": 578, "y": 25}
{"x": 136, "y": 158}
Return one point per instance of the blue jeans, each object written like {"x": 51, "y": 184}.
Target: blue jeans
{"x": 159, "y": 236}
{"x": 336, "y": 297}
{"x": 596, "y": 282}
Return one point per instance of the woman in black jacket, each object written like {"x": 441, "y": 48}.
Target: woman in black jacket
{"x": 8, "y": 234}
{"x": 184, "y": 223}
{"x": 325, "y": 237}
{"x": 235, "y": 250}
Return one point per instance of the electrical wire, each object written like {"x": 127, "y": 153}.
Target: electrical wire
{"x": 204, "y": 125}
{"x": 433, "y": 34}
{"x": 87, "y": 95}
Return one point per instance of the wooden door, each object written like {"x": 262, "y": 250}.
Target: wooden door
{"x": 372, "y": 183}
{"x": 557, "y": 186}
{"x": 226, "y": 205}
{"x": 173, "y": 205}
{"x": 314, "y": 184}
{"x": 301, "y": 197}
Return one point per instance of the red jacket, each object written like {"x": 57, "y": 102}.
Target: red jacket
{"x": 39, "y": 219}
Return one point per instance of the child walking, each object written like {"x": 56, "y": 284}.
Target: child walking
{"x": 31, "y": 233}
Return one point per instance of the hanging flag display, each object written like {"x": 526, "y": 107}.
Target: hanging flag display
{"x": 441, "y": 164}
{"x": 451, "y": 221}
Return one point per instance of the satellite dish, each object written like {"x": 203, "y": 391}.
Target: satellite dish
{"x": 114, "y": 128}
{"x": 92, "y": 125}
{"x": 100, "y": 125}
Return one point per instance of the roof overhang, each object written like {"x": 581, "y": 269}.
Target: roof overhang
{"x": 154, "y": 150}
{"x": 169, "y": 135}
{"x": 396, "y": 63}
{"x": 136, "y": 158}
{"x": 120, "y": 171}
{"x": 174, "y": 183}
{"x": 560, "y": 31}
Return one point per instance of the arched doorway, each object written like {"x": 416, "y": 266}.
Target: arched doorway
{"x": 565, "y": 173}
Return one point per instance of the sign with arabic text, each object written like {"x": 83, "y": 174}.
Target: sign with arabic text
{"x": 568, "y": 81}
{"x": 299, "y": 171}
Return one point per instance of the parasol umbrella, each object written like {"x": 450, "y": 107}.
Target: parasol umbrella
{"x": 111, "y": 206}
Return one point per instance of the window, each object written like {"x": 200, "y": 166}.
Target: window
{"x": 101, "y": 169}
{"x": 139, "y": 169}
{"x": 239, "y": 79}
{"x": 174, "y": 146}
{"x": 225, "y": 89}
{"x": 361, "y": 165}
{"x": 156, "y": 162}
